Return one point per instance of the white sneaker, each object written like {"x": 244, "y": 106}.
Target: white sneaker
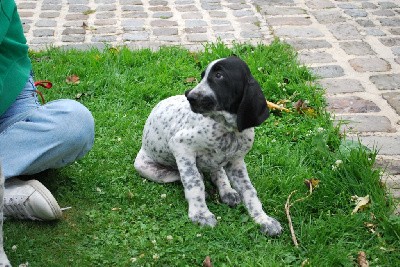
{"x": 29, "y": 200}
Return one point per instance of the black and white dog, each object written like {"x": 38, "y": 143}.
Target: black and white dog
{"x": 209, "y": 130}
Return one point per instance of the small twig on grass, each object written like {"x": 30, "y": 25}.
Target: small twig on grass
{"x": 276, "y": 106}
{"x": 287, "y": 210}
{"x": 287, "y": 207}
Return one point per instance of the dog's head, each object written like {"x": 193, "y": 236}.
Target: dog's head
{"x": 228, "y": 86}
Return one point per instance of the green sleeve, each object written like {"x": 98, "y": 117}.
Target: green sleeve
{"x": 6, "y": 11}
{"x": 15, "y": 64}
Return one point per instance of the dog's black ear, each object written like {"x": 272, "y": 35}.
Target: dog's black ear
{"x": 253, "y": 109}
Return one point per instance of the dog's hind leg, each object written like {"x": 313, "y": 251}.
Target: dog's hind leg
{"x": 154, "y": 171}
{"x": 227, "y": 194}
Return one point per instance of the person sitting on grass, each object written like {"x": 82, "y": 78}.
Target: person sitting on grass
{"x": 33, "y": 137}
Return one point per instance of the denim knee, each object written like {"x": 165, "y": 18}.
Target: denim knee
{"x": 74, "y": 125}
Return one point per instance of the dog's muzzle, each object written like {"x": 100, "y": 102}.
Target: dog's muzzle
{"x": 200, "y": 103}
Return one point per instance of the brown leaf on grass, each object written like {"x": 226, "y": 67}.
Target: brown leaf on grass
{"x": 361, "y": 203}
{"x": 190, "y": 80}
{"x": 311, "y": 184}
{"x": 73, "y": 79}
{"x": 207, "y": 262}
{"x": 302, "y": 107}
{"x": 362, "y": 259}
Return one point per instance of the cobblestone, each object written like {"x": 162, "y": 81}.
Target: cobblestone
{"x": 354, "y": 46}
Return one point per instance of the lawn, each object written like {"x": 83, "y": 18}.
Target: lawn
{"x": 119, "y": 219}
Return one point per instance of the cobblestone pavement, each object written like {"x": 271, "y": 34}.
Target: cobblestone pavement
{"x": 354, "y": 46}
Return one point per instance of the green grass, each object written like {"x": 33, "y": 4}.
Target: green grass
{"x": 119, "y": 219}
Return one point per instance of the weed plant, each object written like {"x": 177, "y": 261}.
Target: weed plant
{"x": 119, "y": 219}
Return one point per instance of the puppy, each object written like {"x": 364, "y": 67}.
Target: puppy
{"x": 209, "y": 130}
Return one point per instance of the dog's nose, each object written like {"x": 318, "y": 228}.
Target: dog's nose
{"x": 187, "y": 92}
{"x": 200, "y": 103}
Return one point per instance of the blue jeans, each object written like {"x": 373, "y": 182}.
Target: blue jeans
{"x": 35, "y": 137}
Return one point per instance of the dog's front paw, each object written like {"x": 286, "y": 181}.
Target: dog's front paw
{"x": 271, "y": 228}
{"x": 231, "y": 198}
{"x": 204, "y": 218}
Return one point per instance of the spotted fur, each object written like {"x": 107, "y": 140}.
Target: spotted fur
{"x": 208, "y": 130}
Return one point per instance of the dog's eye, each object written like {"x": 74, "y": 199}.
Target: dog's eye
{"x": 219, "y": 75}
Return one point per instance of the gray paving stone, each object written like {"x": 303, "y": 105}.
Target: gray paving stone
{"x": 328, "y": 71}
{"x": 351, "y": 104}
{"x": 70, "y": 31}
{"x": 195, "y": 23}
{"x": 329, "y": 16}
{"x": 300, "y": 44}
{"x": 365, "y": 23}
{"x": 135, "y": 14}
{"x": 46, "y": 23}
{"x": 295, "y": 21}
{"x": 73, "y": 38}
{"x": 368, "y": 5}
{"x": 390, "y": 41}
{"x": 356, "y": 13}
{"x": 391, "y": 167}
{"x": 386, "y": 81}
{"x": 344, "y": 32}
{"x": 396, "y": 51}
{"x": 26, "y": 14}
{"x": 357, "y": 48}
{"x": 393, "y": 98}
{"x": 49, "y": 15}
{"x": 374, "y": 32}
{"x": 395, "y": 31}
{"x": 386, "y": 145}
{"x": 163, "y": 23}
{"x": 43, "y": 32}
{"x": 136, "y": 36}
{"x": 105, "y": 22}
{"x": 250, "y": 34}
{"x": 320, "y": 4}
{"x": 187, "y": 8}
{"x": 307, "y": 57}
{"x": 369, "y": 64}
{"x": 196, "y": 30}
{"x": 393, "y": 22}
{"x": 197, "y": 37}
{"x": 338, "y": 86}
{"x": 365, "y": 123}
{"x": 190, "y": 15}
{"x": 101, "y": 8}
{"x": 384, "y": 13}
{"x": 106, "y": 30}
{"x": 104, "y": 15}
{"x": 387, "y": 5}
{"x": 283, "y": 11}
{"x": 132, "y": 8}
{"x": 298, "y": 32}
{"x": 51, "y": 7}
{"x": 347, "y": 6}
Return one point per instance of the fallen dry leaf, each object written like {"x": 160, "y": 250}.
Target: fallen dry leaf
{"x": 190, "y": 80}
{"x": 73, "y": 79}
{"x": 311, "y": 184}
{"x": 361, "y": 203}
{"x": 362, "y": 259}
{"x": 302, "y": 107}
{"x": 371, "y": 227}
{"x": 207, "y": 262}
